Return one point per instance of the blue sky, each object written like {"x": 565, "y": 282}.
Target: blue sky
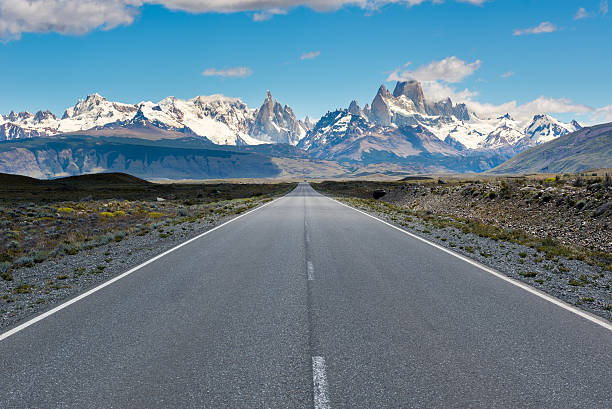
{"x": 553, "y": 56}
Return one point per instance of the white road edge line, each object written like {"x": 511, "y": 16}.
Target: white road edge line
{"x": 320, "y": 393}
{"x": 526, "y": 287}
{"x": 310, "y": 271}
{"x": 119, "y": 277}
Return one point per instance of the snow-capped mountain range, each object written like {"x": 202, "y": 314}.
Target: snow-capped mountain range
{"x": 405, "y": 124}
{"x": 222, "y": 120}
{"x": 395, "y": 125}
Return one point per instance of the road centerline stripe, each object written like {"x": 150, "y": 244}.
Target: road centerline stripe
{"x": 310, "y": 271}
{"x": 319, "y": 383}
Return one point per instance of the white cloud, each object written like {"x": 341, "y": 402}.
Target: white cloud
{"x": 82, "y": 16}
{"x": 311, "y": 55}
{"x": 64, "y": 16}
{"x": 507, "y": 74}
{"x": 544, "y": 27}
{"x": 236, "y": 72}
{"x": 450, "y": 70}
{"x": 542, "y": 104}
{"x": 581, "y": 13}
{"x": 439, "y": 88}
{"x": 268, "y": 14}
{"x": 526, "y": 111}
{"x": 603, "y": 114}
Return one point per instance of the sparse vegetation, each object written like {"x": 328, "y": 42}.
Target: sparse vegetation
{"x": 529, "y": 274}
{"x": 51, "y": 223}
{"x": 22, "y": 289}
{"x": 32, "y": 232}
{"x": 4, "y": 271}
{"x": 549, "y": 230}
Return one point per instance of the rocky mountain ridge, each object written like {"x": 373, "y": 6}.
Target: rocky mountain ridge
{"x": 220, "y": 119}
{"x": 405, "y": 123}
{"x": 400, "y": 127}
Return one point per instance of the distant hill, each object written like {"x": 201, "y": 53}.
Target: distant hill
{"x": 584, "y": 149}
{"x": 187, "y": 158}
{"x": 104, "y": 179}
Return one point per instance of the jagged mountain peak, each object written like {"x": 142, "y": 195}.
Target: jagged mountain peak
{"x": 576, "y": 125}
{"x": 277, "y": 123}
{"x": 413, "y": 91}
{"x": 506, "y": 116}
{"x": 19, "y": 116}
{"x": 383, "y": 92}
{"x": 95, "y": 97}
{"x": 354, "y": 108}
{"x": 44, "y": 115}
{"x": 542, "y": 117}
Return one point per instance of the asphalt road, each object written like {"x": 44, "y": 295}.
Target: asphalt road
{"x": 305, "y": 303}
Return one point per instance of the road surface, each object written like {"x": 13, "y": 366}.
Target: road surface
{"x": 306, "y": 303}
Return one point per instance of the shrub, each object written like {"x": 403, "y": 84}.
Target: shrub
{"x": 119, "y": 213}
{"x": 155, "y": 215}
{"x": 118, "y": 236}
{"x": 65, "y": 210}
{"x": 62, "y": 277}
{"x": 71, "y": 248}
{"x": 24, "y": 261}
{"x": 22, "y": 289}
{"x": 4, "y": 274}
{"x": 40, "y": 256}
{"x": 529, "y": 274}
{"x": 575, "y": 283}
{"x": 107, "y": 214}
{"x": 5, "y": 257}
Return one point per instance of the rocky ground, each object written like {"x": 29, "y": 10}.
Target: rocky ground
{"x": 555, "y": 235}
{"x": 75, "y": 250}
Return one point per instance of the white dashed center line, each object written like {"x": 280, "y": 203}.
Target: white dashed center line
{"x": 319, "y": 381}
{"x": 310, "y": 271}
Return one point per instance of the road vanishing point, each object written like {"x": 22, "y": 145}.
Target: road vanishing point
{"x": 307, "y": 303}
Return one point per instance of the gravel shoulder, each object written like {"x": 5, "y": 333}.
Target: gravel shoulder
{"x": 44, "y": 285}
{"x": 573, "y": 281}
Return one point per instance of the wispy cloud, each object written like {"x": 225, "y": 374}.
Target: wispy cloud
{"x": 439, "y": 79}
{"x": 450, "y": 70}
{"x": 582, "y": 13}
{"x": 310, "y": 55}
{"x": 544, "y": 27}
{"x": 543, "y": 104}
{"x": 268, "y": 14}
{"x": 603, "y": 114}
{"x": 235, "y": 72}
{"x": 82, "y": 16}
